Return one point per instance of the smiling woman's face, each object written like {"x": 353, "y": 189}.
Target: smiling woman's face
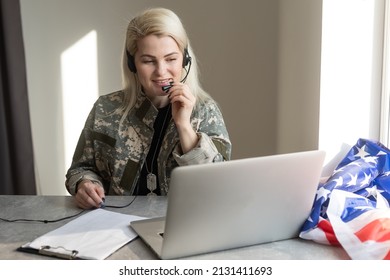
{"x": 158, "y": 62}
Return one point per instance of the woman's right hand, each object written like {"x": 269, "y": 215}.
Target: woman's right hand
{"x": 89, "y": 195}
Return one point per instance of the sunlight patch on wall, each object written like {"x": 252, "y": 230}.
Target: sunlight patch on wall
{"x": 79, "y": 89}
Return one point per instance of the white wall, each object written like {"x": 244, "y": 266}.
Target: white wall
{"x": 266, "y": 82}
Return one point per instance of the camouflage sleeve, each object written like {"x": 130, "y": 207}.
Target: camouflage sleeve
{"x": 83, "y": 166}
{"x": 214, "y": 144}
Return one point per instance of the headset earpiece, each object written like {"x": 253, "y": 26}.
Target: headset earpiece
{"x": 131, "y": 63}
{"x": 186, "y": 58}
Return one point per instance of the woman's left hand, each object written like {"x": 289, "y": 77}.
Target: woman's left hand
{"x": 183, "y": 102}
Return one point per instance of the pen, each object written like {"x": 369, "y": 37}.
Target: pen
{"x": 102, "y": 204}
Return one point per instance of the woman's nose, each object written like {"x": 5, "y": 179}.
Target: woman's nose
{"x": 161, "y": 68}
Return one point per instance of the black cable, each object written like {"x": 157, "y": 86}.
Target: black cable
{"x": 124, "y": 206}
{"x": 64, "y": 218}
{"x": 41, "y": 221}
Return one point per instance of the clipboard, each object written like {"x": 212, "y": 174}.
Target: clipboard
{"x": 94, "y": 236}
{"x": 47, "y": 251}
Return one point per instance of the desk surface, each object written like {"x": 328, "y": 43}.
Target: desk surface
{"x": 15, "y": 234}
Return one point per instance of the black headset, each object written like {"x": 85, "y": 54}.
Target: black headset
{"x": 131, "y": 64}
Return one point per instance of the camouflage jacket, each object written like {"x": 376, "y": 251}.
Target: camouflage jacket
{"x": 113, "y": 154}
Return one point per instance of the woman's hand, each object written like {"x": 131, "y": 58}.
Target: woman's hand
{"x": 183, "y": 102}
{"x": 89, "y": 195}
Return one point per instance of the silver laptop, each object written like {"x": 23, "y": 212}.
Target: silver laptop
{"x": 220, "y": 206}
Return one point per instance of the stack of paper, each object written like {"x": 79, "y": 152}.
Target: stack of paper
{"x": 95, "y": 235}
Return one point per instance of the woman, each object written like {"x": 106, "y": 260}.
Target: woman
{"x": 161, "y": 119}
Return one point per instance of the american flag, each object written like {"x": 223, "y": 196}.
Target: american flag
{"x": 351, "y": 209}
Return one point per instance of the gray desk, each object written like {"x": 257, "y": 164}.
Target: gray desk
{"x": 13, "y": 235}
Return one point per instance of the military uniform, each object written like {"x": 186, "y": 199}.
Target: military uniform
{"x": 112, "y": 153}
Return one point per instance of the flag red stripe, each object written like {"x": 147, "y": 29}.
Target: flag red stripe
{"x": 377, "y": 230}
{"x": 329, "y": 232}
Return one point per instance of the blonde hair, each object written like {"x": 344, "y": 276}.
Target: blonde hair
{"x": 160, "y": 22}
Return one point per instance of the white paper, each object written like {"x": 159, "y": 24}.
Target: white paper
{"x": 95, "y": 235}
